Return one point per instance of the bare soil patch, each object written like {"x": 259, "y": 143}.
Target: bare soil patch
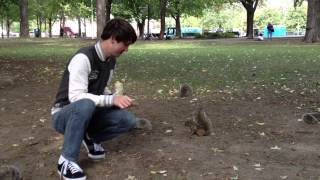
{"x": 254, "y": 138}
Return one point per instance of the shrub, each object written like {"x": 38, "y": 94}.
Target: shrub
{"x": 219, "y": 35}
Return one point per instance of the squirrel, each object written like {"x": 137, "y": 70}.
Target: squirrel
{"x": 118, "y": 88}
{"x": 185, "y": 90}
{"x": 200, "y": 124}
{"x": 10, "y": 173}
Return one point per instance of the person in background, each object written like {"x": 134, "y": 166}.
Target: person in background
{"x": 260, "y": 36}
{"x": 270, "y": 30}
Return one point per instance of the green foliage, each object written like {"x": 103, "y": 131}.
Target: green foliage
{"x": 43, "y": 9}
{"x": 136, "y": 9}
{"x": 265, "y": 15}
{"x": 219, "y": 35}
{"x": 227, "y": 17}
{"x": 119, "y": 11}
{"x": 9, "y": 9}
{"x": 190, "y": 21}
{"x": 186, "y": 7}
{"x": 297, "y": 18}
{"x": 198, "y": 36}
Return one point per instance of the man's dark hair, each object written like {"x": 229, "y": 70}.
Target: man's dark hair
{"x": 121, "y": 30}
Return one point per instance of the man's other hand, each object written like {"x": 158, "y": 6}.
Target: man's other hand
{"x": 122, "y": 101}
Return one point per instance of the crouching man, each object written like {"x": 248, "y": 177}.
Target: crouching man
{"x": 84, "y": 111}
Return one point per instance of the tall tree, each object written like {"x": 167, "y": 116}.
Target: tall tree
{"x": 175, "y": 12}
{"x": 133, "y": 9}
{"x": 79, "y": 9}
{"x": 108, "y": 9}
{"x": 8, "y": 13}
{"x": 177, "y": 8}
{"x": 313, "y": 21}
{"x": 250, "y": 6}
{"x": 101, "y": 16}
{"x": 163, "y": 7}
{"x": 38, "y": 10}
{"x": 52, "y": 11}
{"x": 24, "y": 24}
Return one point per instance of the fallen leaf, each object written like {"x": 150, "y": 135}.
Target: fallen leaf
{"x": 42, "y": 120}
{"x": 131, "y": 178}
{"x": 262, "y": 134}
{"x": 260, "y": 123}
{"x": 275, "y": 148}
{"x": 168, "y": 131}
{"x": 235, "y": 168}
{"x": 257, "y": 165}
{"x": 216, "y": 150}
{"x": 162, "y": 172}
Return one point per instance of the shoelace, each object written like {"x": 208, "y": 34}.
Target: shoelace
{"x": 98, "y": 147}
{"x": 74, "y": 168}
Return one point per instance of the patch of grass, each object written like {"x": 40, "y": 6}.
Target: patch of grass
{"x": 40, "y": 49}
{"x": 208, "y": 65}
{"x": 159, "y": 67}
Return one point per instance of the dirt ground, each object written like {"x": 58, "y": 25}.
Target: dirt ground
{"x": 258, "y": 135}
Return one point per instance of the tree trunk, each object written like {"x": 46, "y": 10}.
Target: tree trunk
{"x": 141, "y": 28}
{"x": 45, "y": 25}
{"x": 250, "y": 6}
{"x": 40, "y": 26}
{"x": 62, "y": 20}
{"x": 250, "y": 17}
{"x": 176, "y": 17}
{"x": 101, "y": 16}
{"x": 79, "y": 26}
{"x": 163, "y": 4}
{"x": 85, "y": 27}
{"x": 37, "y": 21}
{"x": 148, "y": 22}
{"x": 108, "y": 9}
{"x": 50, "y": 27}
{"x": 8, "y": 27}
{"x": 178, "y": 27}
{"x": 313, "y": 22}
{"x": 24, "y": 25}
{"x": 2, "y": 35}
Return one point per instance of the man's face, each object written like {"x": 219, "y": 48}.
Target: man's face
{"x": 119, "y": 48}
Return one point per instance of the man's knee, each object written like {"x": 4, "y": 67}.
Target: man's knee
{"x": 85, "y": 105}
{"x": 129, "y": 121}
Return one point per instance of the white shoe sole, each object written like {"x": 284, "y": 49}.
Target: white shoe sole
{"x": 65, "y": 178}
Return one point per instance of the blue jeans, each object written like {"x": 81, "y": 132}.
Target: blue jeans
{"x": 270, "y": 35}
{"x": 80, "y": 117}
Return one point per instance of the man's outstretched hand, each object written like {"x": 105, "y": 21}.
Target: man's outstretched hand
{"x": 122, "y": 101}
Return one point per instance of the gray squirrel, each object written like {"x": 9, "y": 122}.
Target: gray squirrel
{"x": 200, "y": 124}
{"x": 185, "y": 90}
{"x": 10, "y": 173}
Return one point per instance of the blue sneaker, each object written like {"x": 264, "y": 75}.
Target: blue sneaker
{"x": 95, "y": 150}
